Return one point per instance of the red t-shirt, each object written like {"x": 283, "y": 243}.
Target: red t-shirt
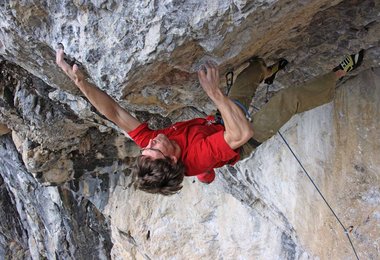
{"x": 202, "y": 144}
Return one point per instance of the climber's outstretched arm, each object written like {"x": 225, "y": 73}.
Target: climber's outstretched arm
{"x": 100, "y": 100}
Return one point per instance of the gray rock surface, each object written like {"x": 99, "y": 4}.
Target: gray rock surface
{"x": 46, "y": 222}
{"x": 65, "y": 183}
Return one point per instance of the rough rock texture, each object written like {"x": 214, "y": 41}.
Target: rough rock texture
{"x": 46, "y": 222}
{"x": 65, "y": 181}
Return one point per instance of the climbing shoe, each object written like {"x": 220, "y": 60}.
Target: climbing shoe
{"x": 351, "y": 62}
{"x": 276, "y": 68}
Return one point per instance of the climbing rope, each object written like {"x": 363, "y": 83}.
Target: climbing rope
{"x": 229, "y": 82}
{"x": 320, "y": 193}
{"x": 346, "y": 231}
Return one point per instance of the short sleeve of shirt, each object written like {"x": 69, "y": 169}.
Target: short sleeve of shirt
{"x": 142, "y": 134}
{"x": 210, "y": 152}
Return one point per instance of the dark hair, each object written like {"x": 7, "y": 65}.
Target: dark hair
{"x": 161, "y": 176}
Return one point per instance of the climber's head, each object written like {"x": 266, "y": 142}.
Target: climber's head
{"x": 159, "y": 169}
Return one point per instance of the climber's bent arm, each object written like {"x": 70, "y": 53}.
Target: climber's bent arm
{"x": 237, "y": 128}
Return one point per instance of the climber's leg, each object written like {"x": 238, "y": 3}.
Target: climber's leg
{"x": 245, "y": 87}
{"x": 247, "y": 81}
{"x": 291, "y": 101}
{"x": 288, "y": 102}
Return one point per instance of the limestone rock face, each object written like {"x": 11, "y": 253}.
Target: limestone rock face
{"x": 66, "y": 189}
{"x": 46, "y": 222}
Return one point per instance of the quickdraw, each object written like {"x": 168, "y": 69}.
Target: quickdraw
{"x": 229, "y": 80}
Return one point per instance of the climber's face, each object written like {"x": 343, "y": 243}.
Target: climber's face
{"x": 162, "y": 147}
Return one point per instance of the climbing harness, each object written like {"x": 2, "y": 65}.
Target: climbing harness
{"x": 219, "y": 119}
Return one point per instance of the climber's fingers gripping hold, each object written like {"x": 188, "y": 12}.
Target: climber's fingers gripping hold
{"x": 73, "y": 72}
{"x": 209, "y": 78}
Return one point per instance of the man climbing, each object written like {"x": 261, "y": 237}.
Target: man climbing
{"x": 197, "y": 146}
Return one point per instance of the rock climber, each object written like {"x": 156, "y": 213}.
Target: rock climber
{"x": 198, "y": 146}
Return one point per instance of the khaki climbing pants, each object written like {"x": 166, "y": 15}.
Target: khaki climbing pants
{"x": 283, "y": 105}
